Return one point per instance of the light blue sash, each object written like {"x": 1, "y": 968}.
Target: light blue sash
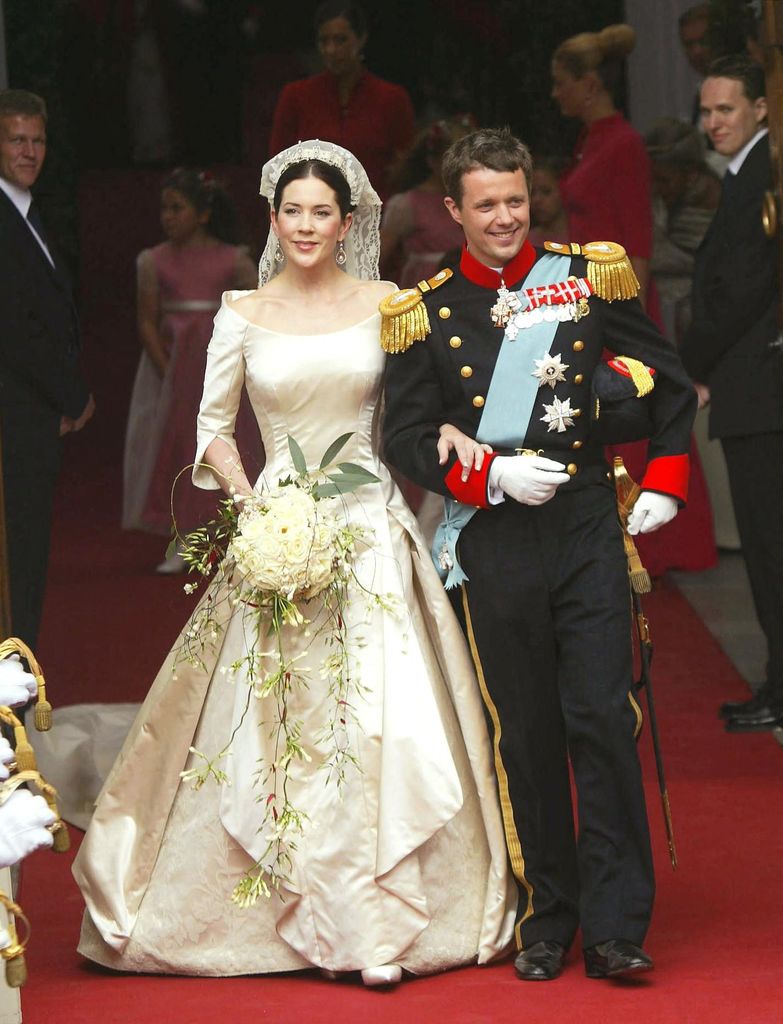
{"x": 507, "y": 410}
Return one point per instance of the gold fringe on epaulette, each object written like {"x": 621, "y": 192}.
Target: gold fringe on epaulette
{"x": 401, "y": 327}
{"x": 609, "y": 271}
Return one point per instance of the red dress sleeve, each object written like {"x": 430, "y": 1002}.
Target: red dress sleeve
{"x": 633, "y": 197}
{"x": 285, "y": 122}
{"x": 402, "y": 120}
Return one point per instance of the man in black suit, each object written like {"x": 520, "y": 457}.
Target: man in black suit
{"x": 42, "y": 393}
{"x": 732, "y": 351}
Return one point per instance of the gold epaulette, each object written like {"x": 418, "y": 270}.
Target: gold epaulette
{"x": 609, "y": 270}
{"x": 404, "y": 315}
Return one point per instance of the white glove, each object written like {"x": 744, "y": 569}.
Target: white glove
{"x": 651, "y": 512}
{"x": 23, "y": 821}
{"x": 17, "y": 687}
{"x": 529, "y": 479}
{"x": 5, "y": 939}
{"x": 6, "y": 756}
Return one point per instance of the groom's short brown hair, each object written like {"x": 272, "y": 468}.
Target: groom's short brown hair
{"x": 494, "y": 148}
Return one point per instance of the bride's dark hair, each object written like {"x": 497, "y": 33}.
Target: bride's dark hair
{"x": 326, "y": 173}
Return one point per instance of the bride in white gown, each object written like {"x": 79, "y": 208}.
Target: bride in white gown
{"x": 404, "y": 865}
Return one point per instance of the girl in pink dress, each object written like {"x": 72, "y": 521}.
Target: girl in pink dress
{"x": 180, "y": 284}
{"x": 417, "y": 230}
{"x": 548, "y": 218}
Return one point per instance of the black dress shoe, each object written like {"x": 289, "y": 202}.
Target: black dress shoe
{"x": 542, "y": 961}
{"x": 615, "y": 959}
{"x": 743, "y": 707}
{"x": 763, "y": 717}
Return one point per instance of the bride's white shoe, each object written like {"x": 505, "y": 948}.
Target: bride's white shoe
{"x": 386, "y": 974}
{"x": 173, "y": 564}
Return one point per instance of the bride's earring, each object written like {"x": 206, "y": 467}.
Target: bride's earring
{"x": 339, "y": 254}
{"x": 279, "y": 257}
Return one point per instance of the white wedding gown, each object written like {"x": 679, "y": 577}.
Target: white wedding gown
{"x": 408, "y": 863}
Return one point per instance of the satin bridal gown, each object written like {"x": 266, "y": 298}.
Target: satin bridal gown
{"x": 406, "y": 864}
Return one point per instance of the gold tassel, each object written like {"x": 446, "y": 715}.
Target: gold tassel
{"x": 62, "y": 837}
{"x": 58, "y": 828}
{"x": 43, "y": 709}
{"x": 640, "y": 578}
{"x": 25, "y": 755}
{"x": 15, "y": 962}
{"x": 15, "y": 966}
{"x": 628, "y": 491}
{"x": 43, "y": 713}
{"x": 609, "y": 271}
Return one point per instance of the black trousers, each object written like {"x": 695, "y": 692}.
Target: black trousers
{"x": 547, "y": 614}
{"x": 30, "y": 482}
{"x": 755, "y": 465}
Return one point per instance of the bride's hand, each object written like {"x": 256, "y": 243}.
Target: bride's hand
{"x": 469, "y": 451}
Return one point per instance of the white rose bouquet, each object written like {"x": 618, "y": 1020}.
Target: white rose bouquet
{"x": 285, "y": 547}
{"x": 288, "y": 542}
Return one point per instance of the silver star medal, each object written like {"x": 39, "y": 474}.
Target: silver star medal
{"x": 550, "y": 370}
{"x": 558, "y": 415}
{"x": 508, "y": 303}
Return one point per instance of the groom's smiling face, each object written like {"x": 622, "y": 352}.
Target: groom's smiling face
{"x": 494, "y": 213}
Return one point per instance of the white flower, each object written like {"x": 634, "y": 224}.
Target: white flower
{"x": 287, "y": 543}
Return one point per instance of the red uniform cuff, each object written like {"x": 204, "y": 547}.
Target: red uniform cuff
{"x": 668, "y": 475}
{"x": 474, "y": 490}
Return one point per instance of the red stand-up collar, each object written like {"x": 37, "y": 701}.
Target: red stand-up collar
{"x": 513, "y": 272}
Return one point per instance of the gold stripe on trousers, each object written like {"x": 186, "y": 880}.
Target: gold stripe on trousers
{"x": 513, "y": 842}
{"x": 639, "y": 715}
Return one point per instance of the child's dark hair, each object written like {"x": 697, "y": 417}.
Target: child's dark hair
{"x": 326, "y": 173}
{"x": 205, "y": 193}
{"x": 413, "y": 167}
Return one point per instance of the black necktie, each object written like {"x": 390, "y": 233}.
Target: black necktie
{"x": 35, "y": 219}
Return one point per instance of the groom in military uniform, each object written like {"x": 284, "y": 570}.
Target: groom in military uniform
{"x": 508, "y": 349}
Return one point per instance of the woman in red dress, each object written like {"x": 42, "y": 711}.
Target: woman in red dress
{"x": 345, "y": 103}
{"x": 607, "y": 195}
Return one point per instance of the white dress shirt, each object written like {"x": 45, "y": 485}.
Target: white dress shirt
{"x": 22, "y": 199}
{"x": 738, "y": 159}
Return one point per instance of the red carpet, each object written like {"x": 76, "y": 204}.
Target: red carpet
{"x": 717, "y": 935}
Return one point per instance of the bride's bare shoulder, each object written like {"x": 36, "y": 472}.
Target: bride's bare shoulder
{"x": 250, "y": 304}
{"x": 376, "y": 290}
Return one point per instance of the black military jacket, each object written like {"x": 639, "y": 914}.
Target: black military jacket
{"x": 445, "y": 379}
